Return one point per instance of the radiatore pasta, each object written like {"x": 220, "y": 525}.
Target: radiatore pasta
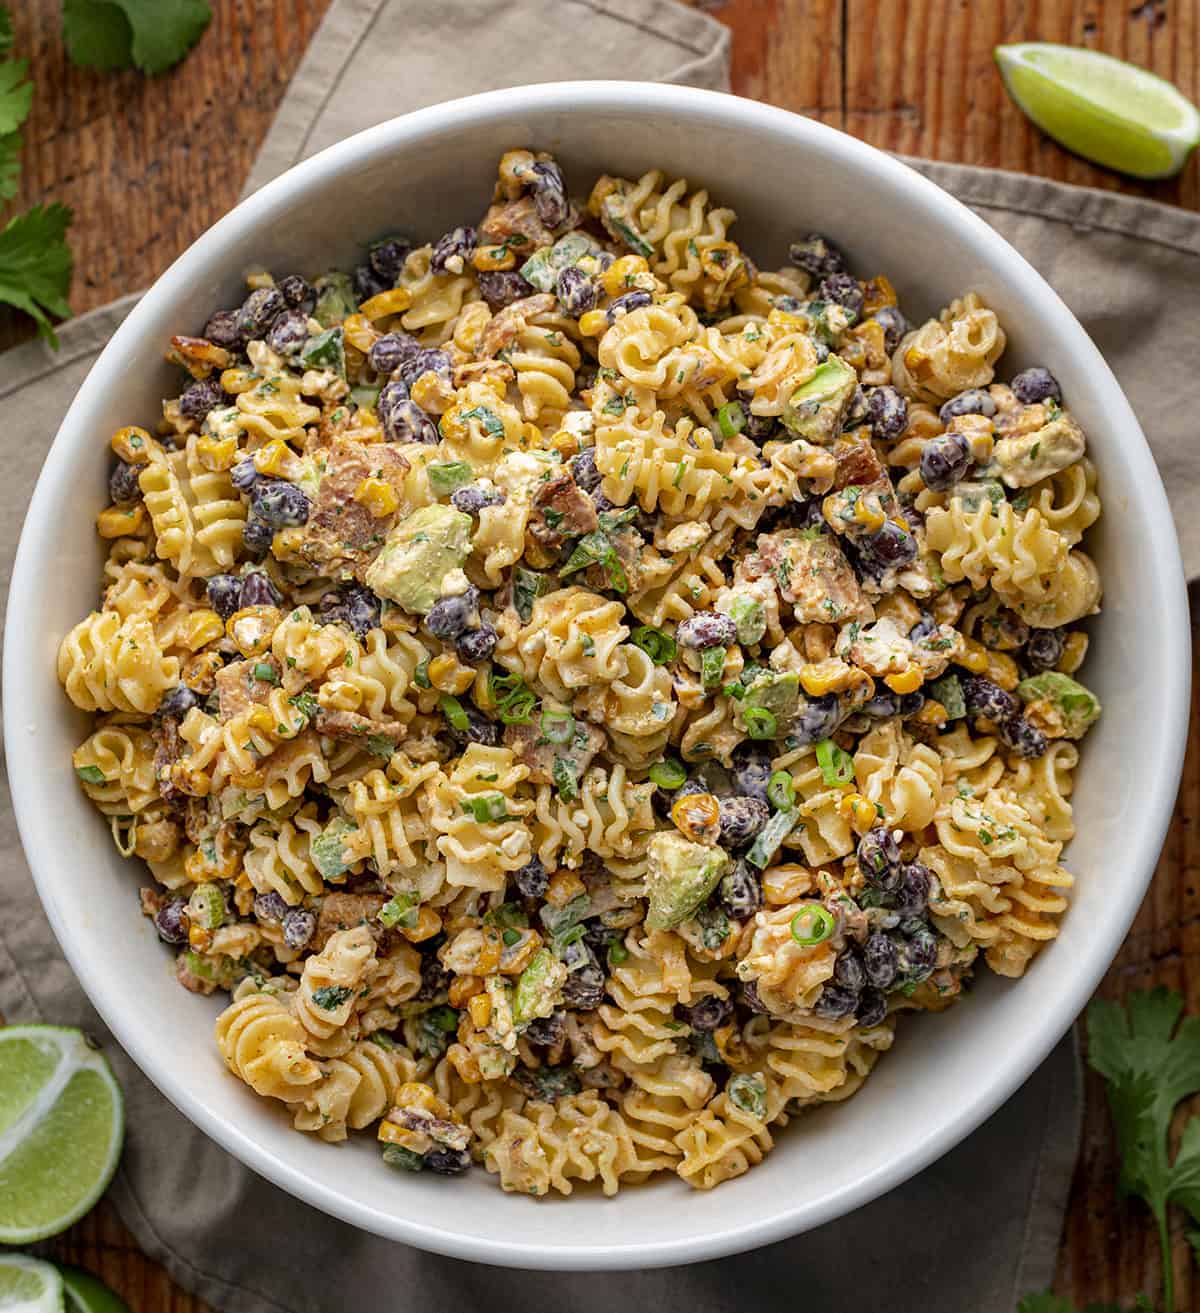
{"x": 573, "y": 689}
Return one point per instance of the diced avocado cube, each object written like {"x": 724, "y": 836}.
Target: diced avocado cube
{"x": 335, "y": 298}
{"x": 814, "y": 412}
{"x": 974, "y": 492}
{"x": 418, "y": 554}
{"x": 748, "y": 614}
{"x": 543, "y": 267}
{"x": 778, "y": 693}
{"x": 1078, "y": 706}
{"x": 948, "y": 691}
{"x": 679, "y": 878}
{"x": 538, "y": 987}
{"x": 325, "y": 351}
{"x": 328, "y": 849}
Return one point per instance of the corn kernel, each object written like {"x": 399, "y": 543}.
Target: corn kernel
{"x": 252, "y": 627}
{"x": 900, "y": 608}
{"x": 616, "y": 278}
{"x": 238, "y": 380}
{"x": 432, "y": 393}
{"x": 974, "y": 656}
{"x": 859, "y": 811}
{"x": 490, "y": 258}
{"x": 260, "y": 718}
{"x": 480, "y": 1008}
{"x": 195, "y": 783}
{"x": 782, "y": 319}
{"x": 217, "y": 454}
{"x": 877, "y": 293}
{"x": 1002, "y": 670}
{"x": 821, "y": 677}
{"x": 932, "y": 714}
{"x": 359, "y": 332}
{"x": 907, "y": 681}
{"x": 698, "y": 816}
{"x": 448, "y": 675}
{"x": 1074, "y": 650}
{"x": 593, "y": 324}
{"x": 463, "y": 988}
{"x": 428, "y": 925}
{"x": 273, "y": 458}
{"x": 202, "y": 627}
{"x": 392, "y": 302}
{"x": 287, "y": 543}
{"x": 121, "y": 521}
{"x": 199, "y": 939}
{"x": 133, "y": 445}
{"x": 564, "y": 885}
{"x": 390, "y": 1133}
{"x": 465, "y": 1063}
{"x": 378, "y": 496}
{"x": 871, "y": 516}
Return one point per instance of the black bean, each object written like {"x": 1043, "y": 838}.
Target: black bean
{"x": 549, "y": 193}
{"x": 749, "y": 997}
{"x": 259, "y": 311}
{"x": 390, "y": 351}
{"x": 888, "y": 411}
{"x": 858, "y": 412}
{"x": 455, "y": 245}
{"x": 435, "y": 978}
{"x": 751, "y": 771}
{"x": 405, "y": 421}
{"x": 849, "y": 970}
{"x": 872, "y": 1007}
{"x": 366, "y": 283}
{"x": 288, "y": 333}
{"x": 1036, "y": 384}
{"x": 257, "y": 536}
{"x": 472, "y": 499}
{"x": 451, "y": 616}
{"x": 178, "y": 702}
{"x": 354, "y": 606}
{"x": 918, "y": 955}
{"x": 740, "y": 892}
{"x": 224, "y": 593}
{"x": 816, "y": 255}
{"x": 945, "y": 459}
{"x": 532, "y": 880}
{"x": 298, "y": 292}
{"x": 707, "y": 629}
{"x": 222, "y": 330}
{"x": 892, "y": 547}
{"x": 624, "y": 304}
{"x": 270, "y": 908}
{"x": 584, "y": 471}
{"x": 817, "y": 720}
{"x": 576, "y": 292}
{"x": 171, "y": 922}
{"x": 299, "y": 926}
{"x": 244, "y": 474}
{"x": 477, "y": 644}
{"x": 387, "y": 256}
{"x": 584, "y": 988}
{"x": 760, "y": 428}
{"x": 279, "y": 503}
{"x": 259, "y": 590}
{"x": 500, "y": 288}
{"x": 448, "y": 1162}
{"x": 881, "y": 960}
{"x": 426, "y": 360}
{"x": 983, "y": 698}
{"x": 1043, "y": 651}
{"x": 834, "y": 1002}
{"x": 711, "y": 1013}
{"x": 198, "y": 398}
{"x": 912, "y": 897}
{"x": 894, "y": 326}
{"x": 911, "y": 703}
{"x": 1025, "y": 739}
{"x": 883, "y": 705}
{"x": 546, "y": 1032}
{"x": 879, "y": 858}
{"x": 844, "y": 290}
{"x": 741, "y": 820}
{"x": 479, "y": 729}
{"x": 974, "y": 401}
{"x": 123, "y": 486}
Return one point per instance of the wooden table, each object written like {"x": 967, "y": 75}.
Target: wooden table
{"x": 148, "y": 165}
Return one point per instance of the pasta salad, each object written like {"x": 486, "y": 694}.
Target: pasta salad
{"x": 574, "y": 689}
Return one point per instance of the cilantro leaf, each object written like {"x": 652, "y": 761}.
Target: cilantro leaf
{"x": 35, "y": 265}
{"x": 16, "y": 95}
{"x": 1151, "y": 1061}
{"x": 10, "y": 164}
{"x": 152, "y": 34}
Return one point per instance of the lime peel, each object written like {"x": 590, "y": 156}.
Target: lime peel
{"x": 62, "y": 1116}
{"x": 27, "y": 1285}
{"x": 1108, "y": 111}
{"x": 86, "y": 1293}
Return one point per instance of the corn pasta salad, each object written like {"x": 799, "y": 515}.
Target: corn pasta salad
{"x": 573, "y": 689}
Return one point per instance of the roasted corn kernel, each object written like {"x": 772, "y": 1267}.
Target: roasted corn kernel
{"x": 593, "y": 324}
{"x": 480, "y": 1008}
{"x": 859, "y": 811}
{"x": 907, "y": 681}
{"x": 1074, "y": 650}
{"x": 252, "y": 627}
{"x": 698, "y": 816}
{"x": 378, "y": 496}
{"x": 217, "y": 454}
{"x": 202, "y": 627}
{"x": 133, "y": 445}
{"x": 619, "y": 275}
{"x": 392, "y": 302}
{"x": 564, "y": 885}
{"x": 273, "y": 458}
{"x": 428, "y": 925}
{"x": 1002, "y": 670}
{"x": 490, "y": 258}
{"x": 932, "y": 714}
{"x": 359, "y": 332}
{"x": 974, "y": 656}
{"x": 448, "y": 675}
{"x": 121, "y": 521}
{"x": 462, "y": 989}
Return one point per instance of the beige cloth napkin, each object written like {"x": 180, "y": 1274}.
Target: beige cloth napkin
{"x": 974, "y": 1231}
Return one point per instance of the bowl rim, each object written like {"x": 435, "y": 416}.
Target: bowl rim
{"x": 23, "y": 666}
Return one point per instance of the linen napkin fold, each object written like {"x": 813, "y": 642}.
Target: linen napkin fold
{"x": 973, "y": 1232}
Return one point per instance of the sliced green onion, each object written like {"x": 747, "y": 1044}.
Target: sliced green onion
{"x": 781, "y": 792}
{"x": 452, "y": 709}
{"x": 668, "y": 774}
{"x": 748, "y": 1092}
{"x": 266, "y": 673}
{"x": 595, "y": 549}
{"x": 405, "y": 1160}
{"x": 617, "y": 953}
{"x": 837, "y": 765}
{"x": 557, "y": 726}
{"x": 446, "y": 476}
{"x": 731, "y": 419}
{"x": 443, "y": 1018}
{"x": 771, "y": 837}
{"x": 527, "y": 587}
{"x": 400, "y": 911}
{"x": 657, "y": 644}
{"x": 206, "y": 906}
{"x": 760, "y": 723}
{"x": 712, "y": 662}
{"x": 812, "y": 924}
{"x": 90, "y": 774}
{"x": 487, "y": 807}
{"x": 514, "y": 699}
{"x": 511, "y": 937}
{"x": 421, "y": 674}
{"x": 565, "y": 779}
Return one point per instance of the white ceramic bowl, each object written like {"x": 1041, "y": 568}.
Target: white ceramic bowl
{"x": 784, "y": 175}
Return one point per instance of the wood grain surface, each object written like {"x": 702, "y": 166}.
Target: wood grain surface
{"x": 148, "y": 165}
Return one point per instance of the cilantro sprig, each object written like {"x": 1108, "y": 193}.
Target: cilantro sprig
{"x": 153, "y": 35}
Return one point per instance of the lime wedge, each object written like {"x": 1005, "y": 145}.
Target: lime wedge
{"x": 27, "y": 1285}
{"x": 1108, "y": 111}
{"x": 61, "y": 1125}
{"x": 88, "y": 1294}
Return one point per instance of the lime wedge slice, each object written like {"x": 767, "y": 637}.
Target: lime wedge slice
{"x": 1108, "y": 111}
{"x": 27, "y": 1285}
{"x": 88, "y": 1294}
{"x": 61, "y": 1124}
